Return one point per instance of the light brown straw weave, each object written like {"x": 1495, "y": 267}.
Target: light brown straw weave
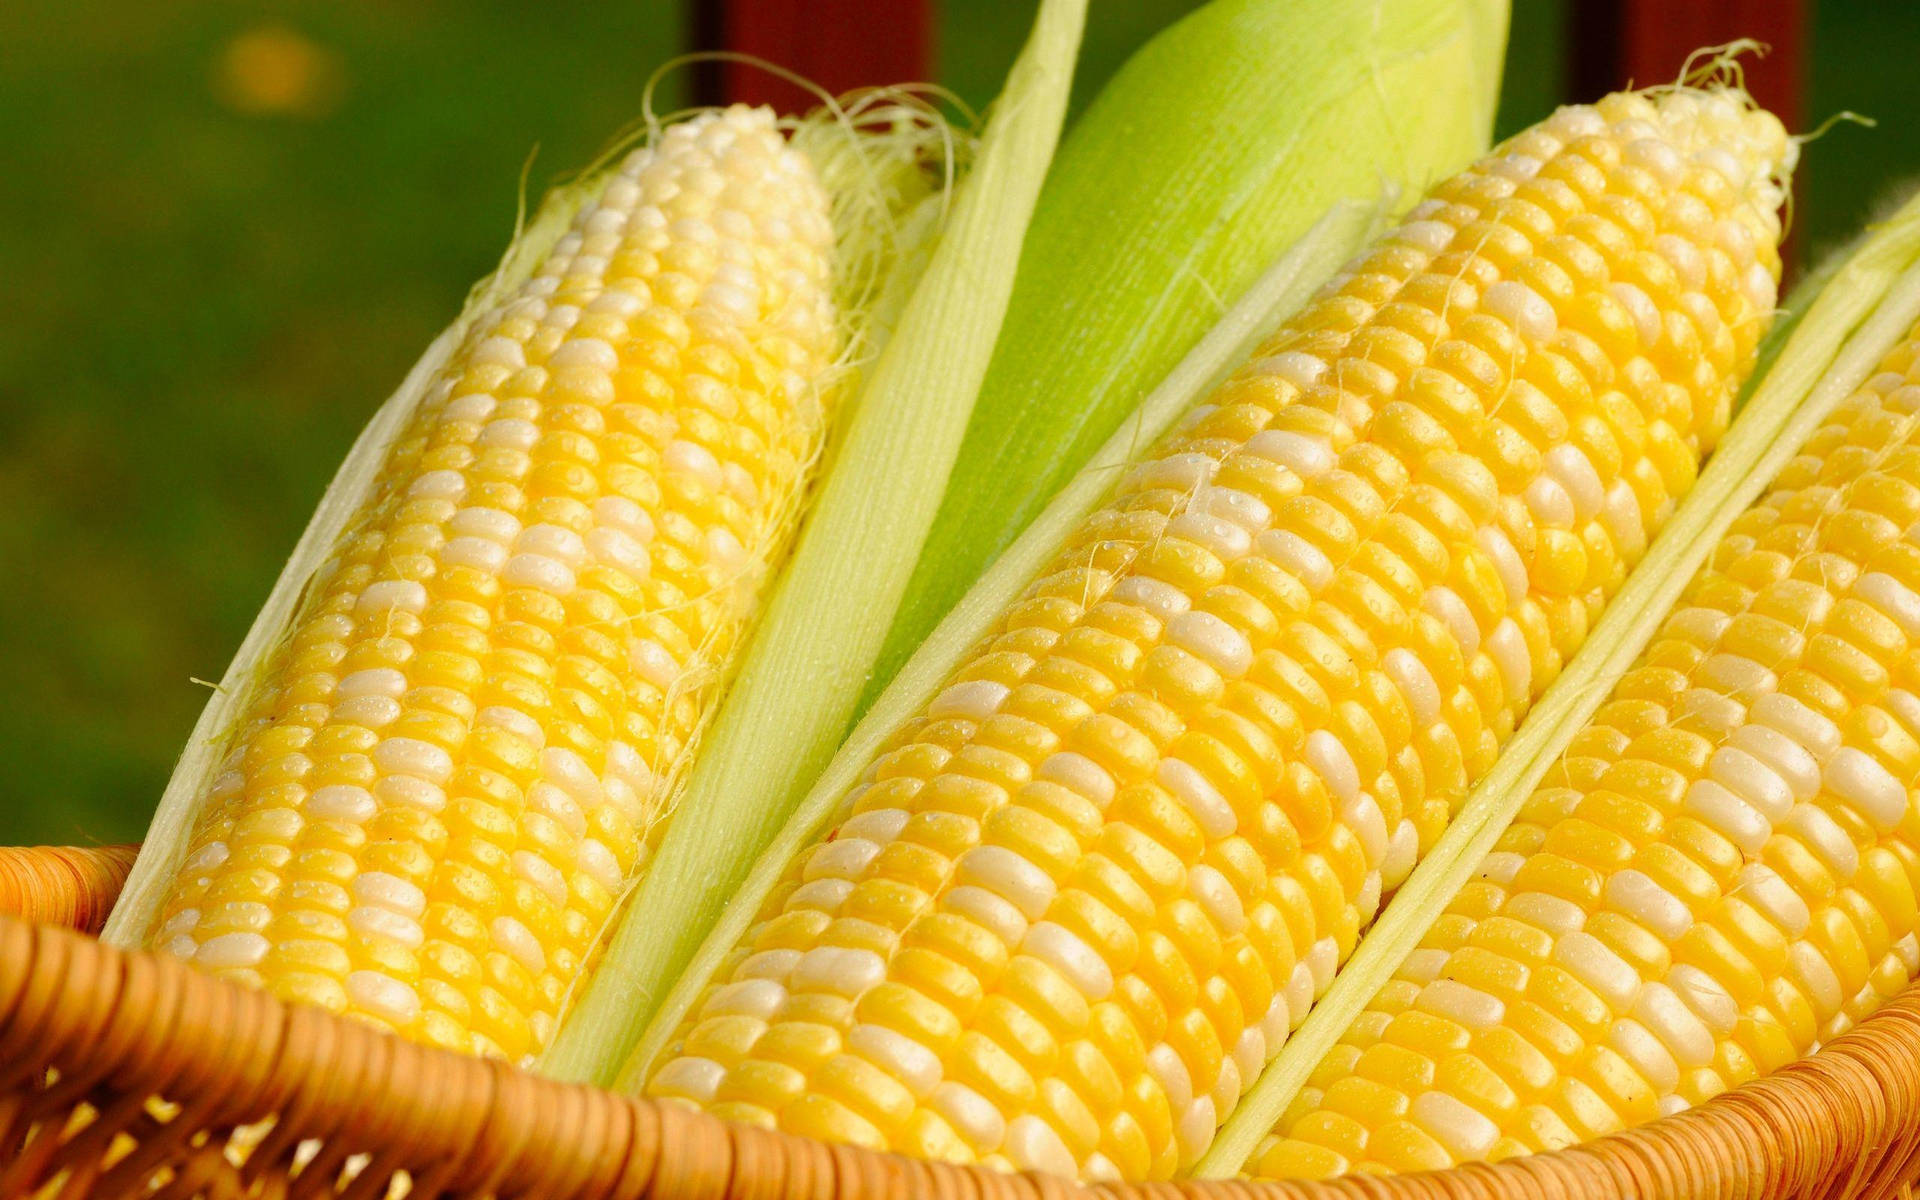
{"x": 72, "y": 886}
{"x": 127, "y": 1074}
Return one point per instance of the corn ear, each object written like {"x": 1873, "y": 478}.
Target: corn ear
{"x": 434, "y": 767}
{"x": 1280, "y": 291}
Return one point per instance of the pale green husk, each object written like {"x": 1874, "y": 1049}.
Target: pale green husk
{"x": 1864, "y": 310}
{"x": 802, "y": 673}
{"x": 1199, "y": 163}
{"x": 1279, "y": 291}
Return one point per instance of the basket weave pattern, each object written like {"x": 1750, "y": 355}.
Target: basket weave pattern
{"x": 71, "y": 886}
{"x": 126, "y": 1075}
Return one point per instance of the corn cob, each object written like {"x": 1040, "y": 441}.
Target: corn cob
{"x": 446, "y": 772}
{"x": 1086, "y": 894}
{"x": 1718, "y": 875}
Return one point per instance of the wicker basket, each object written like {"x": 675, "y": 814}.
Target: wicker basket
{"x": 125, "y": 1075}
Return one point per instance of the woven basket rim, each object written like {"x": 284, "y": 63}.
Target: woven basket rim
{"x": 119, "y": 1027}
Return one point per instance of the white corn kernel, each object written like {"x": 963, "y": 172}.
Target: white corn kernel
{"x": 1456, "y": 1001}
{"x": 1866, "y": 786}
{"x": 383, "y": 996}
{"x": 1068, "y": 954}
{"x": 1460, "y": 1129}
{"x": 973, "y": 700}
{"x": 915, "y": 1066}
{"x": 1006, "y": 874}
{"x": 230, "y": 951}
{"x": 1208, "y": 807}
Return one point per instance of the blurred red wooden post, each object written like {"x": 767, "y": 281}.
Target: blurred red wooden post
{"x": 1616, "y": 42}
{"x": 837, "y": 44}
{"x": 1648, "y": 41}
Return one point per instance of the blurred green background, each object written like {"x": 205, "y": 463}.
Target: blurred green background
{"x": 227, "y": 229}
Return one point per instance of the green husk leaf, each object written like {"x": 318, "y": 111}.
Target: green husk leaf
{"x": 1864, "y": 310}
{"x": 1282, "y": 289}
{"x": 1210, "y": 152}
{"x": 824, "y": 624}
